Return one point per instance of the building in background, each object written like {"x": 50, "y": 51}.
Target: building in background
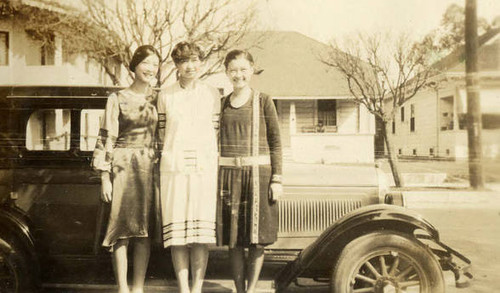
{"x": 433, "y": 123}
{"x": 25, "y": 60}
{"x": 319, "y": 120}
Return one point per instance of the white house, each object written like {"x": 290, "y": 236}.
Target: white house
{"x": 319, "y": 120}
{"x": 27, "y": 61}
{"x": 433, "y": 123}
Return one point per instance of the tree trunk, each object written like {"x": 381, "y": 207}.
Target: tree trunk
{"x": 109, "y": 70}
{"x": 111, "y": 75}
{"x": 393, "y": 159}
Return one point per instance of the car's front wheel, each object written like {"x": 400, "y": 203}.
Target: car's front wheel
{"x": 15, "y": 270}
{"x": 386, "y": 261}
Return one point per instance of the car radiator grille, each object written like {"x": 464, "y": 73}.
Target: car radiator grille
{"x": 306, "y": 217}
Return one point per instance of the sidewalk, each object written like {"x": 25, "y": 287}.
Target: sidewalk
{"x": 160, "y": 285}
{"x": 423, "y": 190}
{"x": 442, "y": 198}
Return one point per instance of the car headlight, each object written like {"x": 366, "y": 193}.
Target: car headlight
{"x": 395, "y": 198}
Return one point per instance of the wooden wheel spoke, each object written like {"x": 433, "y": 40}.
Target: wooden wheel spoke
{"x": 394, "y": 266}
{"x": 405, "y": 272}
{"x": 409, "y": 283}
{"x": 413, "y": 276}
{"x": 383, "y": 266}
{"x": 365, "y": 278}
{"x": 372, "y": 269}
{"x": 364, "y": 290}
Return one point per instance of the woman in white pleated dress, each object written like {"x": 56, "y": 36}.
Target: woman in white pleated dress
{"x": 188, "y": 115}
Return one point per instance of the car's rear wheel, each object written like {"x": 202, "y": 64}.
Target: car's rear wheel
{"x": 386, "y": 261}
{"x": 15, "y": 273}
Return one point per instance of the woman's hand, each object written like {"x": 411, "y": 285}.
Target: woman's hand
{"x": 106, "y": 187}
{"x": 275, "y": 191}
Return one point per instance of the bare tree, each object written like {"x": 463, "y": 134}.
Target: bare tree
{"x": 109, "y": 31}
{"x": 382, "y": 73}
{"x": 118, "y": 27}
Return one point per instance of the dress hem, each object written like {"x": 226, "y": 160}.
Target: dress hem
{"x": 123, "y": 238}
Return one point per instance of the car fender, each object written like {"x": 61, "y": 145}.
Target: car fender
{"x": 320, "y": 254}
{"x": 15, "y": 223}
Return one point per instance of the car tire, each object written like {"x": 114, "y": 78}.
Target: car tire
{"x": 386, "y": 261}
{"x": 16, "y": 274}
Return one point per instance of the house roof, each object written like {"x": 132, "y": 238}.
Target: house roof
{"x": 488, "y": 54}
{"x": 41, "y": 4}
{"x": 291, "y": 66}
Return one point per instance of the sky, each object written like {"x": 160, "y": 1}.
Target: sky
{"x": 325, "y": 20}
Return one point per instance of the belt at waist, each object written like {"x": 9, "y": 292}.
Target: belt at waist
{"x": 244, "y": 161}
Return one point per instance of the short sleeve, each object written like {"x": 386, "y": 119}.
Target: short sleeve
{"x": 162, "y": 118}
{"x": 103, "y": 152}
{"x": 216, "y": 108}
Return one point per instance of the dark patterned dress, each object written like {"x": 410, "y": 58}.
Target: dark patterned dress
{"x": 234, "y": 209}
{"x": 125, "y": 147}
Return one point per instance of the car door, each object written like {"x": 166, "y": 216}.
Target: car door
{"x": 53, "y": 179}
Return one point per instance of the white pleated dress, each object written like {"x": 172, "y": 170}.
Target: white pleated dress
{"x": 188, "y": 166}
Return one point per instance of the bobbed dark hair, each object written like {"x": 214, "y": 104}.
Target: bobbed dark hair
{"x": 234, "y": 54}
{"x": 141, "y": 53}
{"x": 184, "y": 50}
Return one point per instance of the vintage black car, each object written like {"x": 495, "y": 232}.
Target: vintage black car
{"x": 355, "y": 235}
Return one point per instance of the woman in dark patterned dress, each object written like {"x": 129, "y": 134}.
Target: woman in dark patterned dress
{"x": 125, "y": 155}
{"x": 249, "y": 174}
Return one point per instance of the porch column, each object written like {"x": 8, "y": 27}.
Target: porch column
{"x": 457, "y": 108}
{"x": 366, "y": 121}
{"x": 293, "y": 119}
{"x": 58, "y": 54}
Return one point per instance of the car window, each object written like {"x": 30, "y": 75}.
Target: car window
{"x": 89, "y": 127}
{"x": 49, "y": 130}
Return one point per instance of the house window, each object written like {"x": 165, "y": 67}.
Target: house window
{"x": 49, "y": 130}
{"x": 414, "y": 152}
{"x": 490, "y": 121}
{"x": 48, "y": 55}
{"x": 89, "y": 128}
{"x": 431, "y": 152}
{"x": 4, "y": 48}
{"x": 400, "y": 151}
{"x": 48, "y": 52}
{"x": 393, "y": 127}
{"x": 412, "y": 118}
{"x": 327, "y": 112}
{"x": 447, "y": 152}
{"x": 403, "y": 114}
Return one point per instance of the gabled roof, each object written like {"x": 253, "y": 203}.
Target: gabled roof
{"x": 53, "y": 6}
{"x": 488, "y": 55}
{"x": 291, "y": 66}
